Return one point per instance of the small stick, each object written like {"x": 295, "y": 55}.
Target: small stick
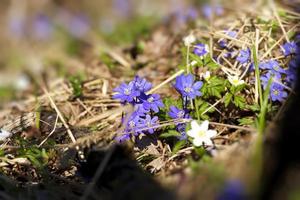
{"x": 55, "y": 124}
{"x": 166, "y": 81}
{"x": 60, "y": 115}
{"x": 279, "y": 21}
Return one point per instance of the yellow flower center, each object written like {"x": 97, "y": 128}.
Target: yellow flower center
{"x": 187, "y": 89}
{"x": 127, "y": 91}
{"x": 201, "y": 133}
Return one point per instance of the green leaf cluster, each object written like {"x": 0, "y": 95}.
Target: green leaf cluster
{"x": 234, "y": 96}
{"x": 213, "y": 88}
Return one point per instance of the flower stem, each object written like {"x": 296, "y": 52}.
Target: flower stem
{"x": 197, "y": 109}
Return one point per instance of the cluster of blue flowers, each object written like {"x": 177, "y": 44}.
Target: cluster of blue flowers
{"x": 188, "y": 89}
{"x": 142, "y": 120}
{"x": 42, "y": 27}
{"x": 280, "y": 76}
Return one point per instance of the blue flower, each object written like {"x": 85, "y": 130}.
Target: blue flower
{"x": 290, "y": 48}
{"x": 277, "y": 92}
{"x": 208, "y": 10}
{"x": 142, "y": 84}
{"x": 265, "y": 78}
{"x": 42, "y": 27}
{"x": 244, "y": 56}
{"x": 294, "y": 63}
{"x": 122, "y": 137}
{"x": 223, "y": 42}
{"x": 152, "y": 102}
{"x": 291, "y": 76}
{"x": 181, "y": 128}
{"x": 126, "y": 93}
{"x": 233, "y": 190}
{"x": 176, "y": 113}
{"x": 186, "y": 87}
{"x": 184, "y": 15}
{"x": 201, "y": 49}
{"x": 132, "y": 123}
{"x": 148, "y": 123}
{"x": 122, "y": 7}
{"x": 139, "y": 108}
{"x": 78, "y": 25}
{"x": 291, "y": 72}
{"x": 271, "y": 65}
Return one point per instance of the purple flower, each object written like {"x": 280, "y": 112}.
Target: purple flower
{"x": 265, "y": 78}
{"x": 139, "y": 108}
{"x": 132, "y": 123}
{"x": 122, "y": 7}
{"x": 126, "y": 93}
{"x": 294, "y": 63}
{"x": 186, "y": 87}
{"x": 148, "y": 123}
{"x": 291, "y": 76}
{"x": 181, "y": 129}
{"x": 42, "y": 27}
{"x": 209, "y": 10}
{"x": 223, "y": 42}
{"x": 78, "y": 25}
{"x": 142, "y": 84}
{"x": 16, "y": 25}
{"x": 182, "y": 16}
{"x": 290, "y": 48}
{"x": 122, "y": 137}
{"x": 277, "y": 92}
{"x": 201, "y": 49}
{"x": 244, "y": 56}
{"x": 233, "y": 190}
{"x": 176, "y": 113}
{"x": 152, "y": 102}
{"x": 271, "y": 65}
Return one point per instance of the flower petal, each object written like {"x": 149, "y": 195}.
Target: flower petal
{"x": 197, "y": 142}
{"x": 211, "y": 133}
{"x": 195, "y": 125}
{"x": 192, "y": 133}
{"x": 204, "y": 125}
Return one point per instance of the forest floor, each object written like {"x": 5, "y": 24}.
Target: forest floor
{"x": 51, "y": 133}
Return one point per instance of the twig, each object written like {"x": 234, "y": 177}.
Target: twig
{"x": 53, "y": 130}
{"x": 166, "y": 81}
{"x": 60, "y": 115}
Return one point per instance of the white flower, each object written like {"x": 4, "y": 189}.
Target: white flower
{"x": 201, "y": 134}
{"x": 193, "y": 63}
{"x": 188, "y": 40}
{"x": 205, "y": 76}
{"x": 235, "y": 81}
{"x": 4, "y": 134}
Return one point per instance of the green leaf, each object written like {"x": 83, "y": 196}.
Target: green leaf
{"x": 170, "y": 133}
{"x": 239, "y": 101}
{"x": 203, "y": 106}
{"x": 227, "y": 99}
{"x": 200, "y": 151}
{"x": 214, "y": 87}
{"x": 255, "y": 107}
{"x": 76, "y": 83}
{"x": 179, "y": 145}
{"x": 246, "y": 121}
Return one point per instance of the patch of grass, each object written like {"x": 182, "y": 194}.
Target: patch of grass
{"x": 129, "y": 31}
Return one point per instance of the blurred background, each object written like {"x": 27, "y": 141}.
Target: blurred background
{"x": 48, "y": 36}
